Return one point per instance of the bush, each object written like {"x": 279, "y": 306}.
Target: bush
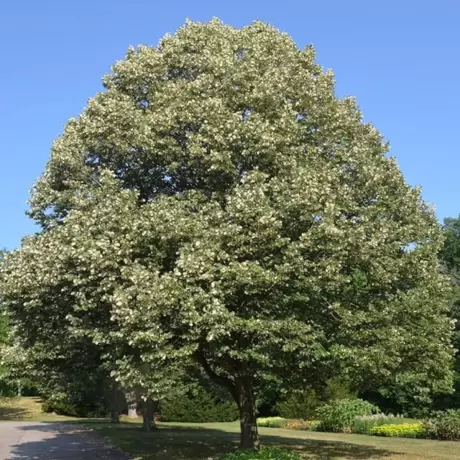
{"x": 47, "y": 407}
{"x": 403, "y": 430}
{"x": 7, "y": 389}
{"x": 302, "y": 405}
{"x": 337, "y": 389}
{"x": 364, "y": 423}
{"x": 60, "y": 408}
{"x": 266, "y": 453}
{"x": 340, "y": 415}
{"x": 203, "y": 406}
{"x": 87, "y": 396}
{"x": 272, "y": 422}
{"x": 299, "y": 405}
{"x": 73, "y": 410}
{"x": 443, "y": 425}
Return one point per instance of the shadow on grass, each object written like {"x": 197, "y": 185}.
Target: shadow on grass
{"x": 180, "y": 443}
{"x": 84, "y": 440}
{"x": 12, "y": 413}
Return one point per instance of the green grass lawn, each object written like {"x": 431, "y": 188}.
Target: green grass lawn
{"x": 26, "y": 409}
{"x": 205, "y": 441}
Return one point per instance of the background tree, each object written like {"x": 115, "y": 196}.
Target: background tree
{"x": 3, "y": 318}
{"x": 218, "y": 203}
{"x": 450, "y": 260}
{"x": 12, "y": 375}
{"x": 39, "y": 300}
{"x": 450, "y": 252}
{"x": 5, "y": 387}
{"x": 59, "y": 288}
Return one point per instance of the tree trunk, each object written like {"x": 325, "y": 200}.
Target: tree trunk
{"x": 148, "y": 416}
{"x": 152, "y": 416}
{"x": 115, "y": 403}
{"x": 114, "y": 416}
{"x": 248, "y": 417}
{"x": 132, "y": 410}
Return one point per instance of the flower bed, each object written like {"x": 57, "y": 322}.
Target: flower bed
{"x": 279, "y": 422}
{"x": 402, "y": 430}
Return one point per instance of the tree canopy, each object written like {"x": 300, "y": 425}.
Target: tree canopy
{"x": 450, "y": 260}
{"x": 450, "y": 253}
{"x": 217, "y": 204}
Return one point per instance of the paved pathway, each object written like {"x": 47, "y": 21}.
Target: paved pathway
{"x": 52, "y": 441}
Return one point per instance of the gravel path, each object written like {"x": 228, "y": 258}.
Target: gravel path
{"x": 52, "y": 441}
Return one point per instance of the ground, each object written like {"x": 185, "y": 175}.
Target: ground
{"x": 189, "y": 441}
{"x": 26, "y": 409}
{"x": 204, "y": 441}
{"x": 53, "y": 441}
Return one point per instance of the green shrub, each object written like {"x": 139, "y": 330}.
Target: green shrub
{"x": 443, "y": 425}
{"x": 339, "y": 416}
{"x": 272, "y": 422}
{"x": 73, "y": 410}
{"x": 202, "y": 406}
{"x": 266, "y": 453}
{"x": 60, "y": 408}
{"x": 337, "y": 389}
{"x": 299, "y": 405}
{"x": 88, "y": 396}
{"x": 302, "y": 405}
{"x": 363, "y": 424}
{"x": 7, "y": 389}
{"x": 47, "y": 407}
{"x": 402, "y": 430}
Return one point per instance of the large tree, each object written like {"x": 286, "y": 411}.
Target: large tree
{"x": 218, "y": 203}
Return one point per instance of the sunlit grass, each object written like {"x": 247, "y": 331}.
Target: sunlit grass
{"x": 24, "y": 409}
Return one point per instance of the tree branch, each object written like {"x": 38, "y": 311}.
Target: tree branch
{"x": 219, "y": 379}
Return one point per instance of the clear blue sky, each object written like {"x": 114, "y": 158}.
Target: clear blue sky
{"x": 401, "y": 59}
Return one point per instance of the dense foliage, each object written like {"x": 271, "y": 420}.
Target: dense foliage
{"x": 339, "y": 416}
{"x": 199, "y": 406}
{"x": 304, "y": 403}
{"x": 7, "y": 387}
{"x": 450, "y": 260}
{"x": 86, "y": 395}
{"x": 219, "y": 205}
{"x": 450, "y": 252}
{"x": 300, "y": 405}
{"x": 444, "y": 425}
{"x": 75, "y": 409}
